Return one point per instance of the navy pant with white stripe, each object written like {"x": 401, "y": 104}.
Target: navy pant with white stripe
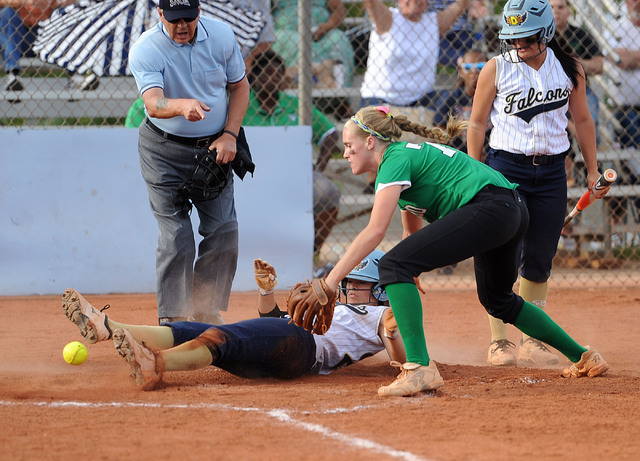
{"x": 255, "y": 348}
{"x": 544, "y": 190}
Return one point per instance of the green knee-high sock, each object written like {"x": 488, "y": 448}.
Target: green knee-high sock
{"x": 407, "y": 308}
{"x": 535, "y": 322}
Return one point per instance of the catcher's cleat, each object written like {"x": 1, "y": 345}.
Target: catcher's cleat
{"x": 91, "y": 321}
{"x": 500, "y": 353}
{"x": 591, "y": 364}
{"x": 536, "y": 353}
{"x": 413, "y": 379}
{"x": 145, "y": 366}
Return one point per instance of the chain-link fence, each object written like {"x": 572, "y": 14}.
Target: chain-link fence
{"x": 323, "y": 64}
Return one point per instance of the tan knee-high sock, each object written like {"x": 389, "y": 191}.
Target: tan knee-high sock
{"x": 191, "y": 355}
{"x": 535, "y": 293}
{"x": 498, "y": 328}
{"x": 155, "y": 337}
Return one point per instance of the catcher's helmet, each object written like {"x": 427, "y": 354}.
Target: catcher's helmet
{"x": 367, "y": 271}
{"x": 524, "y": 18}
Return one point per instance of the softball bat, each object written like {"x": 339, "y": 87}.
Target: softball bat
{"x": 605, "y": 180}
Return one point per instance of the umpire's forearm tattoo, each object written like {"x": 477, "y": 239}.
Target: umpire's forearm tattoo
{"x": 162, "y": 103}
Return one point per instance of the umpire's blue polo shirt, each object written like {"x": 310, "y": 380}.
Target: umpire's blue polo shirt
{"x": 199, "y": 71}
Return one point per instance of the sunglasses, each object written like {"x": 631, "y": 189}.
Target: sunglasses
{"x": 176, "y": 21}
{"x": 523, "y": 42}
{"x": 469, "y": 66}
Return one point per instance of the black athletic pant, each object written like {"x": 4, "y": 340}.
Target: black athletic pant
{"x": 489, "y": 229}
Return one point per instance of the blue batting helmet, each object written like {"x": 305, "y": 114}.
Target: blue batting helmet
{"x": 524, "y": 18}
{"x": 367, "y": 271}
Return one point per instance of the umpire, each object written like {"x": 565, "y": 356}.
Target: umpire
{"x": 191, "y": 75}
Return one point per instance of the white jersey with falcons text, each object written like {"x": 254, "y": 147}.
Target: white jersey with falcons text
{"x": 353, "y": 336}
{"x": 529, "y": 113}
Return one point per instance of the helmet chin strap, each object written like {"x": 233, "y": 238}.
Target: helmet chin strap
{"x": 347, "y": 290}
{"x": 506, "y": 51}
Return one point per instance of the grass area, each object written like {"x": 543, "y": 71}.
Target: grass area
{"x": 627, "y": 253}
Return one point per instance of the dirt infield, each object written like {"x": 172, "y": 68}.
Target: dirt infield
{"x": 50, "y": 410}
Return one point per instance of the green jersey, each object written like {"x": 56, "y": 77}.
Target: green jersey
{"x": 286, "y": 114}
{"x": 435, "y": 179}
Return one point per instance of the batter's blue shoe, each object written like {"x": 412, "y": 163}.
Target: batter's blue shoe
{"x": 145, "y": 366}
{"x": 91, "y": 322}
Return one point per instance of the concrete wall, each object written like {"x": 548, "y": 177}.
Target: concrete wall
{"x": 74, "y": 210}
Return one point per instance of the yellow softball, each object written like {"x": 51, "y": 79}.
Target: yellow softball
{"x": 75, "y": 353}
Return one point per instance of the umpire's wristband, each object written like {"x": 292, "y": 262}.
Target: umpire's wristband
{"x": 231, "y": 133}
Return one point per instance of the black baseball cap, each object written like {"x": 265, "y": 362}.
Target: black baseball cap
{"x": 174, "y": 10}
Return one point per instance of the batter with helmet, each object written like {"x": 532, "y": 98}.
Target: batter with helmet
{"x": 527, "y": 91}
{"x": 270, "y": 346}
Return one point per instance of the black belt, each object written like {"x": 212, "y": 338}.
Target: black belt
{"x": 535, "y": 159}
{"x": 195, "y": 142}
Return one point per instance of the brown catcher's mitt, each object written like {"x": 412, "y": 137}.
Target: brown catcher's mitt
{"x": 311, "y": 304}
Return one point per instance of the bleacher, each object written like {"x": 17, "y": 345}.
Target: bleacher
{"x": 47, "y": 97}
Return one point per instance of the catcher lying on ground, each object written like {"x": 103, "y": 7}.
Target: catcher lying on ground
{"x": 270, "y": 346}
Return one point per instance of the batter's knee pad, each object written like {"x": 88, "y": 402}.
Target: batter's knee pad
{"x": 212, "y": 338}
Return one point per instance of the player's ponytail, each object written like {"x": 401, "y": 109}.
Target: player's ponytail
{"x": 568, "y": 61}
{"x": 378, "y": 122}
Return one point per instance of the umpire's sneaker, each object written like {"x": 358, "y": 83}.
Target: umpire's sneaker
{"x": 212, "y": 319}
{"x": 501, "y": 353}
{"x": 145, "y": 366}
{"x": 413, "y": 379}
{"x": 91, "y": 321}
{"x": 591, "y": 364}
{"x": 536, "y": 353}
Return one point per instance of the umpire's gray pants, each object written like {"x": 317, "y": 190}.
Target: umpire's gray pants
{"x": 186, "y": 288}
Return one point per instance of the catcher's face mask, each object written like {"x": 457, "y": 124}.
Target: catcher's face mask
{"x": 208, "y": 180}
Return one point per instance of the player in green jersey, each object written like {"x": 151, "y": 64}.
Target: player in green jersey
{"x": 472, "y": 210}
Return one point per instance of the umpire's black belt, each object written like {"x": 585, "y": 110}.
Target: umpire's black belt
{"x": 536, "y": 159}
{"x": 195, "y": 142}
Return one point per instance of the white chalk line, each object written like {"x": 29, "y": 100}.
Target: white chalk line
{"x": 281, "y": 415}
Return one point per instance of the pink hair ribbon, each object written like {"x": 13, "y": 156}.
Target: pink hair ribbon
{"x": 384, "y": 110}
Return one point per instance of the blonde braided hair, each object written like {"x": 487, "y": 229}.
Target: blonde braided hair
{"x": 378, "y": 119}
